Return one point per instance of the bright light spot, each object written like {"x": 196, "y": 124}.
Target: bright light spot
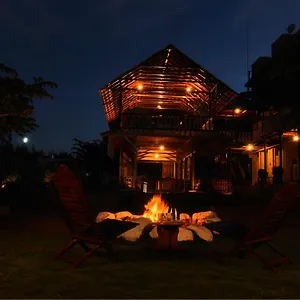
{"x": 237, "y": 111}
{"x": 188, "y": 89}
{"x": 249, "y": 147}
{"x": 156, "y": 155}
{"x": 160, "y": 102}
{"x": 296, "y": 138}
{"x": 140, "y": 87}
{"x": 161, "y": 147}
{"x": 25, "y": 140}
{"x": 180, "y": 123}
{"x": 158, "y": 106}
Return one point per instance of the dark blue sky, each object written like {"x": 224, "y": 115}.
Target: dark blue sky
{"x": 82, "y": 45}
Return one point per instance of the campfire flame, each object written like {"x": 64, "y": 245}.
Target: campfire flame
{"x": 154, "y": 208}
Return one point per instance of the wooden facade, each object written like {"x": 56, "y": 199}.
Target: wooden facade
{"x": 164, "y": 114}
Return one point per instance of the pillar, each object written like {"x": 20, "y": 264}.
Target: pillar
{"x": 121, "y": 166}
{"x": 192, "y": 170}
{"x": 134, "y": 168}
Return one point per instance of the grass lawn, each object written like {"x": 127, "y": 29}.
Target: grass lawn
{"x": 26, "y": 270}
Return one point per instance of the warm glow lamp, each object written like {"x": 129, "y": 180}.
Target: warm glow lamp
{"x": 249, "y": 147}
{"x": 296, "y": 138}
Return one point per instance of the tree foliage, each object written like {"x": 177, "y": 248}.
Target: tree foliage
{"x": 16, "y": 102}
{"x": 93, "y": 157}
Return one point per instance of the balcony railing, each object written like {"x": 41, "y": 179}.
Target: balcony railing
{"x": 159, "y": 122}
{"x": 244, "y": 137}
{"x": 271, "y": 124}
{"x": 139, "y": 122}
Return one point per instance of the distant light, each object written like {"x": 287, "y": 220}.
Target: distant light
{"x": 296, "y": 138}
{"x": 160, "y": 102}
{"x": 249, "y": 147}
{"x": 237, "y": 111}
{"x": 25, "y": 140}
{"x": 140, "y": 87}
{"x": 161, "y": 147}
{"x": 158, "y": 106}
{"x": 156, "y": 155}
{"x": 188, "y": 89}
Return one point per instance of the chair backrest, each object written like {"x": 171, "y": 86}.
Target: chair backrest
{"x": 276, "y": 212}
{"x": 76, "y": 211}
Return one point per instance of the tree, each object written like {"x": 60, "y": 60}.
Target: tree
{"x": 93, "y": 158}
{"x": 16, "y": 102}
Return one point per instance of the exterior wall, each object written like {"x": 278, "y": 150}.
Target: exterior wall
{"x": 168, "y": 170}
{"x": 111, "y": 147}
{"x": 289, "y": 158}
{"x": 289, "y": 161}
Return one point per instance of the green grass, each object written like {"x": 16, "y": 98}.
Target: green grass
{"x": 27, "y": 269}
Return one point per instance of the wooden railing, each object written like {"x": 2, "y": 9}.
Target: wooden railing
{"x": 271, "y": 124}
{"x": 175, "y": 123}
{"x": 244, "y": 137}
{"x": 159, "y": 122}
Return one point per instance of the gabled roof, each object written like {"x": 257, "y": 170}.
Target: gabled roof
{"x": 168, "y": 78}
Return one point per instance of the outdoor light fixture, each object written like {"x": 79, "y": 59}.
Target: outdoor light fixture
{"x": 25, "y": 140}
{"x": 296, "y": 138}
{"x": 188, "y": 89}
{"x": 158, "y": 106}
{"x": 140, "y": 87}
{"x": 249, "y": 147}
{"x": 237, "y": 111}
{"x": 161, "y": 147}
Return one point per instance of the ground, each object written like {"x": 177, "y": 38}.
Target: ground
{"x": 27, "y": 269}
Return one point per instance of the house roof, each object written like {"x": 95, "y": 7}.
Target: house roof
{"x": 166, "y": 80}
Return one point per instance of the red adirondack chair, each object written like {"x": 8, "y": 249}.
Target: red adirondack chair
{"x": 79, "y": 219}
{"x": 262, "y": 233}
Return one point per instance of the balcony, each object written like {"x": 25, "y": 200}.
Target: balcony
{"x": 159, "y": 122}
{"x": 271, "y": 125}
{"x": 181, "y": 126}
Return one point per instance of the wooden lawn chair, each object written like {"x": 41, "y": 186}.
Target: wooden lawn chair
{"x": 80, "y": 222}
{"x": 262, "y": 233}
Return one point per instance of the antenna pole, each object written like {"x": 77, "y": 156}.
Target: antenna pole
{"x": 247, "y": 52}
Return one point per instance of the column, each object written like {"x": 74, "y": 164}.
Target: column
{"x": 192, "y": 170}
{"x": 121, "y": 166}
{"x": 134, "y": 168}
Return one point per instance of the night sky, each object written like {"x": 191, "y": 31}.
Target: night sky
{"x": 82, "y": 45}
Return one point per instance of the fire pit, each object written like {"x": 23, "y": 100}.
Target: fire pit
{"x": 162, "y": 223}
